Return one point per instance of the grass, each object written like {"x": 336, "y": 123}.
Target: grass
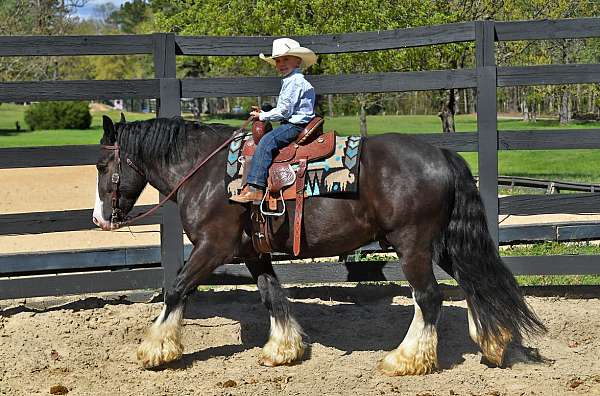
{"x": 9, "y": 137}
{"x": 565, "y": 165}
{"x": 536, "y": 249}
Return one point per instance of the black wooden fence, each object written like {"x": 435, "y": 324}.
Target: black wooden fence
{"x": 135, "y": 268}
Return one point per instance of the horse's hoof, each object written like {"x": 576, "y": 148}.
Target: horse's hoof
{"x": 155, "y": 352}
{"x": 151, "y": 356}
{"x": 394, "y": 364}
{"x": 283, "y": 353}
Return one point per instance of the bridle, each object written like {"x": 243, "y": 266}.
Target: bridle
{"x": 115, "y": 179}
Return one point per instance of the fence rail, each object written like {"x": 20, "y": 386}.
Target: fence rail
{"x": 126, "y": 270}
{"x": 78, "y": 90}
{"x": 330, "y": 43}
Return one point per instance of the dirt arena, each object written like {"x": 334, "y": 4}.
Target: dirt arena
{"x": 87, "y": 347}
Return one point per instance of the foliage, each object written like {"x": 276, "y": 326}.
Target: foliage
{"x": 130, "y": 16}
{"x": 58, "y": 115}
{"x": 25, "y": 17}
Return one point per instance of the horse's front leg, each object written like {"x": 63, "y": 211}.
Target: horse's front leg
{"x": 285, "y": 345}
{"x": 162, "y": 342}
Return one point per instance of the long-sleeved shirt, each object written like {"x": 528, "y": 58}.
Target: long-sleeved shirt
{"x": 296, "y": 102}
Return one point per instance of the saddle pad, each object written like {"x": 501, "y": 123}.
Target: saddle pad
{"x": 335, "y": 174}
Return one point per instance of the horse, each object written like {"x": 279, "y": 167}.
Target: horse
{"x": 419, "y": 199}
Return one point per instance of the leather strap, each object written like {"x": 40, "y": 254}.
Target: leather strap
{"x": 299, "y": 205}
{"x": 261, "y": 238}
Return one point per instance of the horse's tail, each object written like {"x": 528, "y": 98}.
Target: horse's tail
{"x": 498, "y": 309}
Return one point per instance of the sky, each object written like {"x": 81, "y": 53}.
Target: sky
{"x": 88, "y": 10}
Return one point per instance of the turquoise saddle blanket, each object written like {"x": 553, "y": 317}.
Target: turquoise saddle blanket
{"x": 335, "y": 174}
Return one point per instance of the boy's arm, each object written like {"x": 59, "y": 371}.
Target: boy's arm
{"x": 288, "y": 98}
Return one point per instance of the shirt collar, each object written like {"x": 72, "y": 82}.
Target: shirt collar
{"x": 293, "y": 73}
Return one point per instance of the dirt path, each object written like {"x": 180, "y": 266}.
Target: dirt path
{"x": 35, "y": 190}
{"x": 88, "y": 347}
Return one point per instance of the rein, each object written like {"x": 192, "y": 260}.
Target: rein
{"x": 115, "y": 179}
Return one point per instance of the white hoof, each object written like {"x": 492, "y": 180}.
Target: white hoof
{"x": 398, "y": 362}
{"x": 162, "y": 342}
{"x": 285, "y": 345}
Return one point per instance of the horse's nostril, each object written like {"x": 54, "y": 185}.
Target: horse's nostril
{"x": 95, "y": 221}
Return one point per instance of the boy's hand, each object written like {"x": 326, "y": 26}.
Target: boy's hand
{"x": 255, "y": 111}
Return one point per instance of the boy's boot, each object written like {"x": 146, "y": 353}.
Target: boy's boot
{"x": 249, "y": 193}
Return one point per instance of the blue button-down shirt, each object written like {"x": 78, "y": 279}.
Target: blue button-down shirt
{"x": 296, "y": 102}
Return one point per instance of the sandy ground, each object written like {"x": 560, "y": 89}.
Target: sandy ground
{"x": 87, "y": 347}
{"x": 62, "y": 188}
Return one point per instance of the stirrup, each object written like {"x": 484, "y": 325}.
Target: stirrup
{"x": 266, "y": 212}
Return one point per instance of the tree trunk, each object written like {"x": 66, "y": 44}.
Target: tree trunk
{"x": 590, "y": 101}
{"x": 472, "y": 101}
{"x": 563, "y": 112}
{"x": 363, "y": 121}
{"x": 363, "y": 115}
{"x": 330, "y": 112}
{"x": 447, "y": 112}
{"x": 525, "y": 110}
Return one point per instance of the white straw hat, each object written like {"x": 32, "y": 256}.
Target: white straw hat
{"x": 287, "y": 46}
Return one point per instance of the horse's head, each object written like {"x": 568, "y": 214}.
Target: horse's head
{"x": 119, "y": 184}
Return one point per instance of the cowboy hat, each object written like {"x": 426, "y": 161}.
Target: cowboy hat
{"x": 286, "y": 46}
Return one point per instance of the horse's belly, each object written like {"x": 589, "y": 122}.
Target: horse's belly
{"x": 332, "y": 226}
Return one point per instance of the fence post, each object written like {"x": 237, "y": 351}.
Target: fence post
{"x": 487, "y": 122}
{"x": 168, "y": 105}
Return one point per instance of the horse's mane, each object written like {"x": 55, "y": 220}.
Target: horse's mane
{"x": 163, "y": 138}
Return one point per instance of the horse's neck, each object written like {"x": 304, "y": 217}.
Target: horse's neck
{"x": 165, "y": 176}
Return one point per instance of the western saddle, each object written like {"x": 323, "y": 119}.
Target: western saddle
{"x": 286, "y": 179}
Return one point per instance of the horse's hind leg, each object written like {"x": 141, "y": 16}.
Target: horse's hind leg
{"x": 285, "y": 344}
{"x": 417, "y": 354}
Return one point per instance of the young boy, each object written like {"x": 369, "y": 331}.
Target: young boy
{"x": 295, "y": 108}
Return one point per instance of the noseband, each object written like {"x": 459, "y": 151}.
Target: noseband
{"x": 115, "y": 179}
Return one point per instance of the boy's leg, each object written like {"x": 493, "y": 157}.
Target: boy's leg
{"x": 263, "y": 156}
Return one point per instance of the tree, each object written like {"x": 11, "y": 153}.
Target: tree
{"x": 24, "y": 17}
{"x": 295, "y": 17}
{"x": 130, "y": 16}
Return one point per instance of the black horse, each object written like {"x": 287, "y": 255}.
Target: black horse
{"x": 419, "y": 199}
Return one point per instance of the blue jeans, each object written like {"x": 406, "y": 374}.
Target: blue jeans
{"x": 266, "y": 149}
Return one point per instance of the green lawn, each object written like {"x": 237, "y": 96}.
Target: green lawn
{"x": 9, "y": 137}
{"x": 566, "y": 165}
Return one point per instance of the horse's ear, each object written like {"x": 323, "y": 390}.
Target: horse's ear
{"x": 109, "y": 129}
{"x": 122, "y": 118}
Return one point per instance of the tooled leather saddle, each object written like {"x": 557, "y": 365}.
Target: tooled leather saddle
{"x": 286, "y": 179}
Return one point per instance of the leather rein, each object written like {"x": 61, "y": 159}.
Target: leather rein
{"x": 116, "y": 179}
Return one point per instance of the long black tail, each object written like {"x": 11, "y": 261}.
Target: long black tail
{"x": 497, "y": 304}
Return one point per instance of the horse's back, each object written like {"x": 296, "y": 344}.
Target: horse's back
{"x": 397, "y": 157}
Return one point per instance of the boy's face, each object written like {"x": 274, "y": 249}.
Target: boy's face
{"x": 286, "y": 64}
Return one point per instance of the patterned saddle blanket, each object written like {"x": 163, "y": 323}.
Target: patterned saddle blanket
{"x": 337, "y": 173}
